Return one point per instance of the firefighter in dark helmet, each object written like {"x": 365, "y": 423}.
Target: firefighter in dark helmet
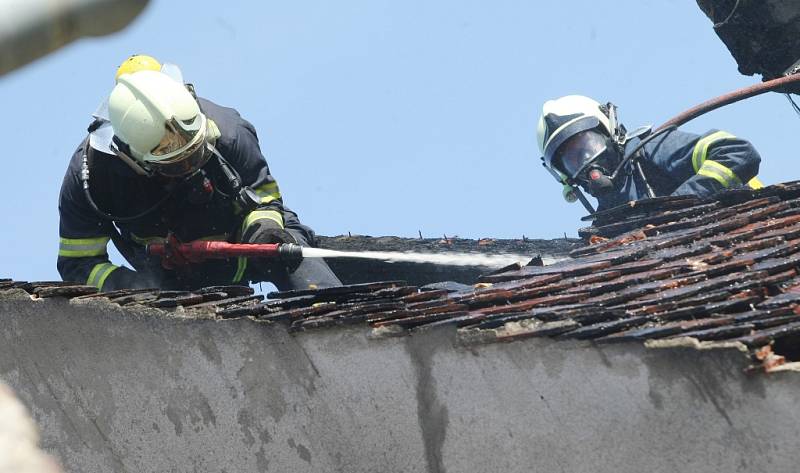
{"x": 584, "y": 145}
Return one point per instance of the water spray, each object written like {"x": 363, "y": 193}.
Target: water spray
{"x": 175, "y": 254}
{"x": 443, "y": 259}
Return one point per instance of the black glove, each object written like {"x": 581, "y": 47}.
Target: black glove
{"x": 266, "y": 231}
{"x": 269, "y": 231}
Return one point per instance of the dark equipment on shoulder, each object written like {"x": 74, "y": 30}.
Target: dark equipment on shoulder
{"x": 198, "y": 188}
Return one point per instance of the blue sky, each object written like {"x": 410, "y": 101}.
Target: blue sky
{"x": 387, "y": 117}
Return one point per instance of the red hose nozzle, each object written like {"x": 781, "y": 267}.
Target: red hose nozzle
{"x": 178, "y": 254}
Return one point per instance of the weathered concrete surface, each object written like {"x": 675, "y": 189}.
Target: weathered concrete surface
{"x": 125, "y": 390}
{"x": 19, "y": 452}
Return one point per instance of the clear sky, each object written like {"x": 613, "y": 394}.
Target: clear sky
{"x": 385, "y": 117}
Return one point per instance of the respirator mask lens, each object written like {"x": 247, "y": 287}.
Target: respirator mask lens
{"x": 588, "y": 158}
{"x": 581, "y": 150}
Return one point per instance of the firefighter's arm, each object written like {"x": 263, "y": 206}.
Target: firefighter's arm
{"x": 719, "y": 161}
{"x": 266, "y": 223}
{"x": 83, "y": 241}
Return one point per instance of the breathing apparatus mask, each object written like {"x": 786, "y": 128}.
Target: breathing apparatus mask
{"x": 586, "y": 147}
{"x": 589, "y": 159}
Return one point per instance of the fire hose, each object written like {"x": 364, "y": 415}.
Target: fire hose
{"x": 174, "y": 253}
{"x": 729, "y": 98}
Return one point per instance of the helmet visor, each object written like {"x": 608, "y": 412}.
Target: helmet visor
{"x": 185, "y": 164}
{"x": 182, "y": 150}
{"x": 178, "y": 135}
{"x": 579, "y": 151}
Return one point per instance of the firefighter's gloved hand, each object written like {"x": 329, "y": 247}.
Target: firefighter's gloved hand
{"x": 269, "y": 231}
{"x": 266, "y": 231}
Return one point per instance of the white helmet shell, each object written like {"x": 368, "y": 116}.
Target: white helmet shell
{"x": 563, "y": 118}
{"x": 156, "y": 117}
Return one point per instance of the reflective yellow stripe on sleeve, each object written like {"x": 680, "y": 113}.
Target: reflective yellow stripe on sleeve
{"x": 82, "y": 247}
{"x": 99, "y": 274}
{"x": 700, "y": 152}
{"x": 256, "y": 215}
{"x": 268, "y": 192}
{"x": 720, "y": 173}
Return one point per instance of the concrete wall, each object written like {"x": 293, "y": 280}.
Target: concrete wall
{"x": 139, "y": 391}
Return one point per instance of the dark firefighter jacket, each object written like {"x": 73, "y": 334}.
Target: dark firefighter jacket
{"x": 120, "y": 192}
{"x": 681, "y": 163}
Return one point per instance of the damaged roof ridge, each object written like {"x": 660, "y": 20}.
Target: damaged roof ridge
{"x": 724, "y": 274}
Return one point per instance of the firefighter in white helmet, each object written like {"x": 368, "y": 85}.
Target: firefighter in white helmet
{"x": 583, "y": 145}
{"x": 176, "y": 166}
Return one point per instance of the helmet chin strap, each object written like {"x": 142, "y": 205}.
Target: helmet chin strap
{"x": 121, "y": 151}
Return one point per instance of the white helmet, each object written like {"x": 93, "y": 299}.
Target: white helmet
{"x": 158, "y": 123}
{"x": 565, "y": 117}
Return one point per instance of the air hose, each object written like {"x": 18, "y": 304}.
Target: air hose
{"x": 92, "y": 205}
{"x": 703, "y": 108}
{"x": 729, "y": 98}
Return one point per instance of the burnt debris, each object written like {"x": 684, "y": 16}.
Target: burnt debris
{"x": 761, "y": 36}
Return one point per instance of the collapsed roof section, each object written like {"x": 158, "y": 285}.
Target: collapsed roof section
{"x": 662, "y": 271}
{"x": 763, "y": 36}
